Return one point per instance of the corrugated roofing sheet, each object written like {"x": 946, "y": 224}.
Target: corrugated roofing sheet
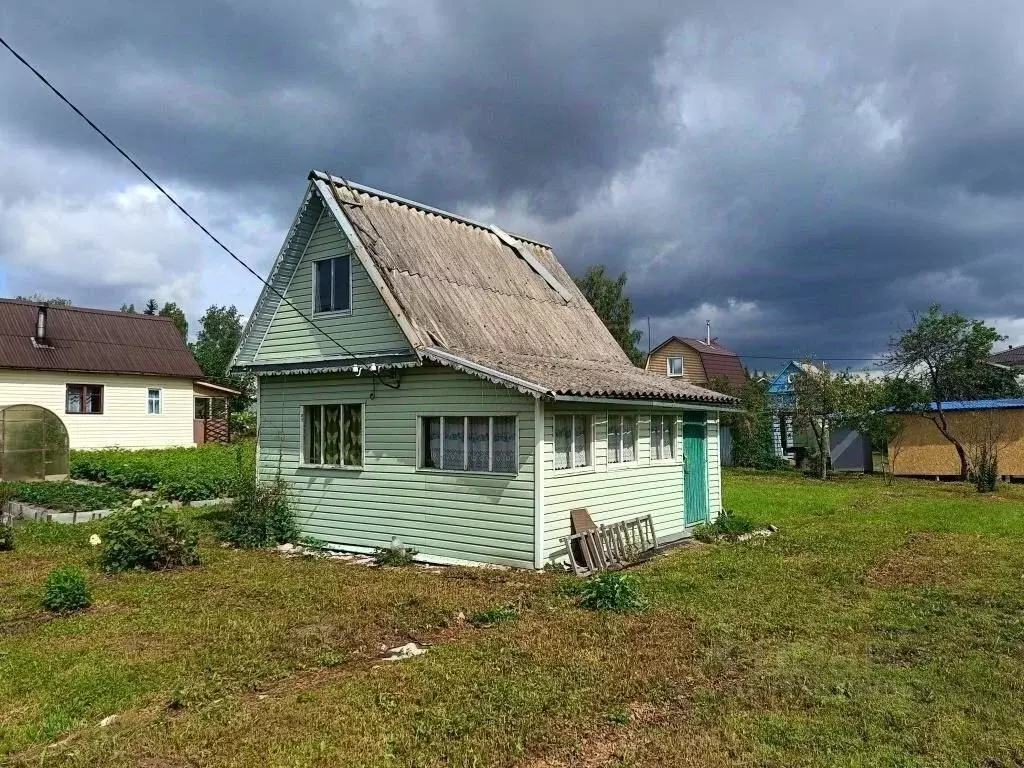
{"x": 980, "y": 405}
{"x": 93, "y": 340}
{"x": 1012, "y": 356}
{"x": 474, "y": 297}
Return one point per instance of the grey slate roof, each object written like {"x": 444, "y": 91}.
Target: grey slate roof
{"x": 471, "y": 293}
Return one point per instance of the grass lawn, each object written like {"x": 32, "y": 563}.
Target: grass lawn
{"x": 879, "y": 627}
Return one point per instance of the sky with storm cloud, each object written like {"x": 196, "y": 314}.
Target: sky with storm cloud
{"x": 802, "y": 174}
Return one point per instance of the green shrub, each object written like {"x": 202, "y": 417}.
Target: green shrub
{"x": 613, "y": 593}
{"x": 6, "y": 537}
{"x": 67, "y": 496}
{"x": 243, "y": 424}
{"x": 260, "y": 515}
{"x": 728, "y": 525}
{"x": 496, "y": 614}
{"x": 147, "y": 536}
{"x": 986, "y": 472}
{"x": 397, "y": 556}
{"x": 66, "y": 590}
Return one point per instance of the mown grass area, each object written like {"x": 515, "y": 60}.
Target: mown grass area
{"x": 878, "y": 627}
{"x": 182, "y": 474}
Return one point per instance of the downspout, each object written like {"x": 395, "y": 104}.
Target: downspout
{"x": 538, "y": 483}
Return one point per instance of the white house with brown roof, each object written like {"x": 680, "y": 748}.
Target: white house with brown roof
{"x": 435, "y": 381}
{"x": 114, "y": 379}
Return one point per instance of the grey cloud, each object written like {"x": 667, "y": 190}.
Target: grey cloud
{"x": 828, "y": 168}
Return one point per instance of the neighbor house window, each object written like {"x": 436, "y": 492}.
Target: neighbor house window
{"x": 84, "y": 398}
{"x": 331, "y": 285}
{"x": 333, "y": 435}
{"x": 154, "y": 402}
{"x": 675, "y": 366}
{"x": 663, "y": 437}
{"x": 572, "y": 442}
{"x": 469, "y": 443}
{"x": 621, "y": 439}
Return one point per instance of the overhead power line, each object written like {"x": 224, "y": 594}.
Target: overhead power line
{"x": 42, "y": 78}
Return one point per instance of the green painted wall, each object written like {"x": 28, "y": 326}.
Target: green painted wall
{"x": 455, "y": 515}
{"x": 370, "y": 328}
{"x": 614, "y": 493}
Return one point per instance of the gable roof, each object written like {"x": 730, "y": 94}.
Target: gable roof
{"x": 716, "y": 359}
{"x": 93, "y": 341}
{"x": 470, "y": 296}
{"x": 1013, "y": 356}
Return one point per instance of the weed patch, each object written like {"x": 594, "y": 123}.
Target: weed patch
{"x": 614, "y": 593}
{"x": 394, "y": 556}
{"x": 66, "y": 590}
{"x": 728, "y": 525}
{"x": 493, "y": 615}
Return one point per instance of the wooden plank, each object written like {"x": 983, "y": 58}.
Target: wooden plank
{"x": 524, "y": 252}
{"x": 567, "y": 542}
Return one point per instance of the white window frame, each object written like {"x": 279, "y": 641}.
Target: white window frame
{"x": 572, "y": 468}
{"x": 351, "y": 289}
{"x": 421, "y": 417}
{"x": 613, "y": 465}
{"x": 302, "y": 437}
{"x": 159, "y": 401}
{"x": 668, "y": 366}
{"x": 673, "y": 420}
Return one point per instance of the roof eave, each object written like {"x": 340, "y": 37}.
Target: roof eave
{"x": 679, "y": 405}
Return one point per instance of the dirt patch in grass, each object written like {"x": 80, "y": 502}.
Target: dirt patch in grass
{"x": 933, "y": 560}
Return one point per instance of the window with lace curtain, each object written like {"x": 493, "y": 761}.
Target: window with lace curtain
{"x": 572, "y": 442}
{"x": 469, "y": 444}
{"x": 663, "y": 437}
{"x": 621, "y": 439}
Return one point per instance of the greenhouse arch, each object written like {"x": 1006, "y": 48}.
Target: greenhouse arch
{"x": 33, "y": 444}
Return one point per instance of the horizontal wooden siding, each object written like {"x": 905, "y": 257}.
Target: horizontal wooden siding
{"x": 370, "y": 328}
{"x": 693, "y": 367}
{"x": 475, "y": 517}
{"x": 609, "y": 493}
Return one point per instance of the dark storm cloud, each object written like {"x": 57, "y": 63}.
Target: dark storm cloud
{"x": 804, "y": 174}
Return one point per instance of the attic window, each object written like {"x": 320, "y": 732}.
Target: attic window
{"x": 332, "y": 284}
{"x": 675, "y": 366}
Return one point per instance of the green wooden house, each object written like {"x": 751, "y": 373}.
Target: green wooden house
{"x": 437, "y": 382}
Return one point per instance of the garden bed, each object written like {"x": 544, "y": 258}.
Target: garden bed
{"x": 179, "y": 474}
{"x": 66, "y": 496}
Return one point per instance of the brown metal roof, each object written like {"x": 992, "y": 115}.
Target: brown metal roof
{"x": 93, "y": 341}
{"x": 1013, "y": 356}
{"x": 469, "y": 294}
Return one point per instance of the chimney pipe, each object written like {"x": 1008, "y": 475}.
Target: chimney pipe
{"x": 41, "y": 324}
{"x": 709, "y": 333}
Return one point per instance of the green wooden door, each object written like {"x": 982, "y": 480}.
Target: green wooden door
{"x": 695, "y": 475}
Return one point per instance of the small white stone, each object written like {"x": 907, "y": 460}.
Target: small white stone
{"x": 137, "y": 503}
{"x": 407, "y": 651}
{"x": 108, "y": 720}
{"x": 285, "y": 547}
